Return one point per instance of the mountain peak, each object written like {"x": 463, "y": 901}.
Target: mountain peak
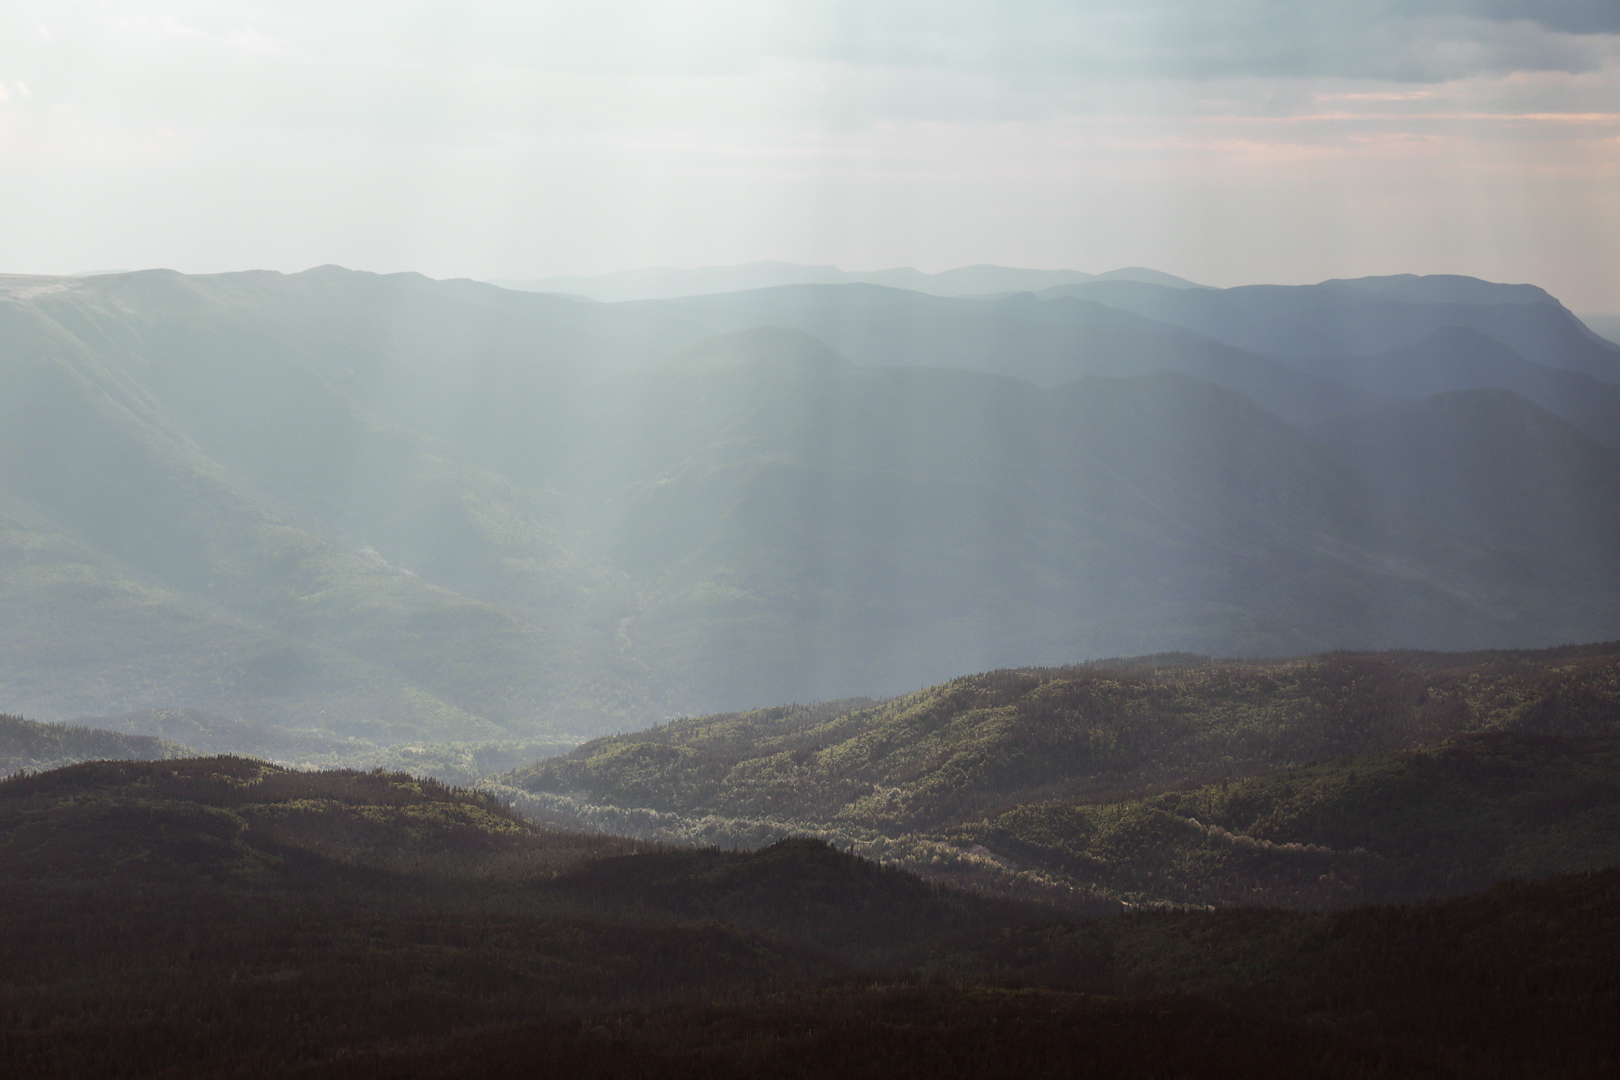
{"x": 1443, "y": 289}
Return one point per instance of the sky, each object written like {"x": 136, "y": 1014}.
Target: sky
{"x": 1227, "y": 141}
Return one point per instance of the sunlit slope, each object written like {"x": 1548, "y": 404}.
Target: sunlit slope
{"x": 1437, "y": 821}
{"x": 1086, "y": 732}
{"x": 1046, "y": 769}
{"x": 95, "y": 443}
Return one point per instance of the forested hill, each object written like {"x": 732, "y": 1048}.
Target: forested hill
{"x": 26, "y": 744}
{"x": 1036, "y": 778}
{"x": 223, "y": 917}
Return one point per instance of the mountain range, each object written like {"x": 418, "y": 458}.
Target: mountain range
{"x": 335, "y": 512}
{"x": 663, "y": 283}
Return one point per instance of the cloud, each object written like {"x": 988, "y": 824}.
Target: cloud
{"x": 1569, "y": 16}
{"x": 1418, "y": 40}
{"x": 891, "y": 126}
{"x": 504, "y": 66}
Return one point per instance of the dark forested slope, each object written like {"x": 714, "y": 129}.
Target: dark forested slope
{"x": 224, "y": 917}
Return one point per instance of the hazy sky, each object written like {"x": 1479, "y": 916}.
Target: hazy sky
{"x": 1225, "y": 140}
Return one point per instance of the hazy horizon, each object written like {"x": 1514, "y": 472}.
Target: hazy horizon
{"x": 1605, "y": 323}
{"x": 1225, "y": 143}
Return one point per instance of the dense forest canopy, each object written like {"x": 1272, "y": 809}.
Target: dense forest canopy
{"x": 1320, "y": 781}
{"x": 227, "y": 917}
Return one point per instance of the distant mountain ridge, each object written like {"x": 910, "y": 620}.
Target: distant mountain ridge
{"x": 662, "y": 283}
{"x": 1606, "y": 326}
{"x": 1046, "y": 343}
{"x": 1351, "y": 318}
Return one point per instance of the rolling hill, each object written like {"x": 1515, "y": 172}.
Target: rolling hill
{"x": 1374, "y": 777}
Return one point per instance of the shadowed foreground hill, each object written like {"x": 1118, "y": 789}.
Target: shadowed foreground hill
{"x": 223, "y": 917}
{"x": 922, "y": 1031}
{"x": 1057, "y": 779}
{"x": 285, "y": 915}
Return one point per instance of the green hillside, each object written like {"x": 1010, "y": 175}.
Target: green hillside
{"x": 1125, "y": 779}
{"x": 211, "y": 441}
{"x": 1450, "y": 818}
